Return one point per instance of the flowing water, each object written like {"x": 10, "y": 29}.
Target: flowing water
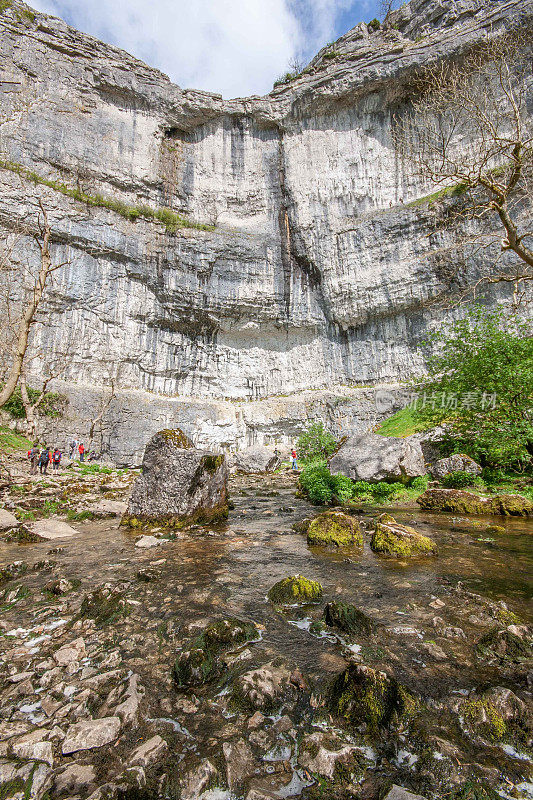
{"x": 228, "y": 570}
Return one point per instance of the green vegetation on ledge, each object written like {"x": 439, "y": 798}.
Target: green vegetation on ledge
{"x": 22, "y": 14}
{"x": 169, "y": 218}
{"x": 9, "y": 440}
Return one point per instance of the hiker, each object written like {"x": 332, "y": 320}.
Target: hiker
{"x": 56, "y": 459}
{"x": 33, "y": 456}
{"x": 294, "y": 460}
{"x": 73, "y": 447}
{"x": 81, "y": 451}
{"x": 44, "y": 460}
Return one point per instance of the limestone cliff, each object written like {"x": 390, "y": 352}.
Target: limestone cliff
{"x": 301, "y": 264}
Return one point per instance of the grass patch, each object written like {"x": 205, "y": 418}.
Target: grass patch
{"x": 448, "y": 191}
{"x": 404, "y": 423}
{"x": 9, "y": 440}
{"x": 22, "y": 14}
{"x": 169, "y": 218}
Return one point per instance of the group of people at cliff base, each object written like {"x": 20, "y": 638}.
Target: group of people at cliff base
{"x": 43, "y": 457}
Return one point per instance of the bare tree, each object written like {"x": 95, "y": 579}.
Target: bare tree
{"x": 469, "y": 133}
{"x": 387, "y": 6}
{"x": 96, "y": 425}
{"x": 21, "y": 328}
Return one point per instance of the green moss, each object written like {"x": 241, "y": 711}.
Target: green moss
{"x": 483, "y": 717}
{"x": 403, "y": 541}
{"x": 347, "y": 618}
{"x": 504, "y": 646}
{"x": 512, "y": 505}
{"x": 212, "y": 463}
{"x": 295, "y": 589}
{"x": 15, "y": 786}
{"x": 104, "y": 606}
{"x": 204, "y": 516}
{"x": 199, "y": 661}
{"x": 361, "y": 695}
{"x": 170, "y": 219}
{"x": 176, "y": 437}
{"x": 452, "y": 500}
{"x": 334, "y": 528}
{"x": 441, "y": 194}
{"x": 475, "y": 790}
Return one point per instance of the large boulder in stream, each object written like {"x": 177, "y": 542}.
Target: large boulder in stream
{"x": 364, "y": 696}
{"x": 179, "y": 484}
{"x": 334, "y": 528}
{"x": 460, "y": 502}
{"x": 394, "y": 539}
{"x": 376, "y": 458}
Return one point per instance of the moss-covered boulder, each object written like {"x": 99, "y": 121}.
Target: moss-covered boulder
{"x": 348, "y": 619}
{"x": 364, "y": 696}
{"x": 295, "y": 589}
{"x": 513, "y": 644}
{"x": 200, "y": 662}
{"x": 179, "y": 484}
{"x": 454, "y": 500}
{"x": 512, "y": 505}
{"x": 459, "y": 502}
{"x": 393, "y": 539}
{"x": 334, "y": 528}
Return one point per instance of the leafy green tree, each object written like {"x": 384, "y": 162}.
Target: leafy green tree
{"x": 480, "y": 386}
{"x": 316, "y": 442}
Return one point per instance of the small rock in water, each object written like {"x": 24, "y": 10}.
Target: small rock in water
{"x": 148, "y": 541}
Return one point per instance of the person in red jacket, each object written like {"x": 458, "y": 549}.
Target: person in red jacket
{"x": 294, "y": 460}
{"x": 56, "y": 459}
{"x": 81, "y": 450}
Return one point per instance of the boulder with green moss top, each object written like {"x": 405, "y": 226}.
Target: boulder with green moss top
{"x": 295, "y": 589}
{"x": 512, "y": 505}
{"x": 348, "y": 619}
{"x": 179, "y": 484}
{"x": 334, "y": 528}
{"x": 200, "y": 660}
{"x": 460, "y": 502}
{"x": 495, "y": 715}
{"x": 365, "y": 697}
{"x": 393, "y": 539}
{"x": 513, "y": 644}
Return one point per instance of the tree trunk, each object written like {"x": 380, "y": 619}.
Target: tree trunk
{"x": 29, "y": 315}
{"x": 28, "y": 408}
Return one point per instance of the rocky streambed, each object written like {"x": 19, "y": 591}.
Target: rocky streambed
{"x": 164, "y": 670}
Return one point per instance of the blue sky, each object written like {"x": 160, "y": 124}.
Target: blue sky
{"x": 235, "y": 47}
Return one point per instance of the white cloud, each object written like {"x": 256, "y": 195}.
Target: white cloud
{"x": 236, "y": 47}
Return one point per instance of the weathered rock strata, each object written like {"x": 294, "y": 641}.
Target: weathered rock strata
{"x": 317, "y": 270}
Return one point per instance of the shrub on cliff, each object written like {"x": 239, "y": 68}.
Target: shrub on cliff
{"x": 480, "y": 385}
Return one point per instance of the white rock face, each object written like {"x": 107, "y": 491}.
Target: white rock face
{"x": 318, "y": 271}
